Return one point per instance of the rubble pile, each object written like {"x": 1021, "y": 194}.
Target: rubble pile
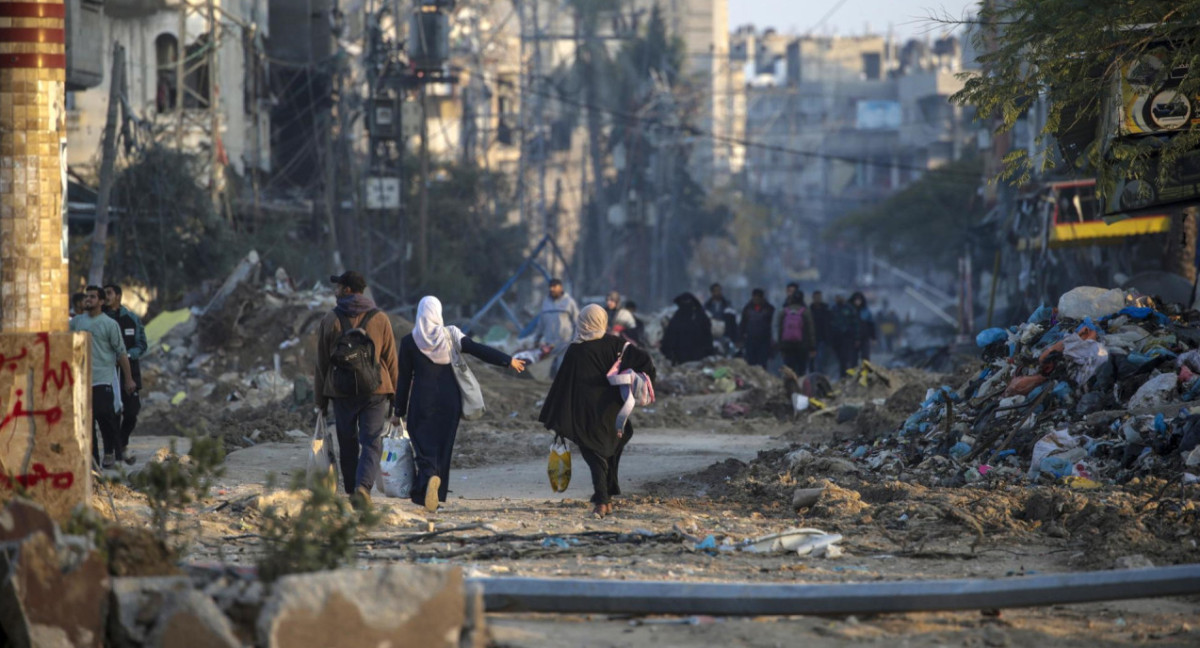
{"x": 58, "y": 590}
{"x": 712, "y": 376}
{"x": 1149, "y": 517}
{"x": 1097, "y": 390}
{"x": 240, "y": 367}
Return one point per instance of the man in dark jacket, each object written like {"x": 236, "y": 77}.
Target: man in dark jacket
{"x": 716, "y": 304}
{"x": 134, "y": 336}
{"x": 823, "y": 322}
{"x": 720, "y": 310}
{"x": 845, "y": 323}
{"x": 757, "y": 318}
{"x": 359, "y": 418}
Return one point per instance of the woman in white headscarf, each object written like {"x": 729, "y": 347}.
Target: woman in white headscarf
{"x": 582, "y": 406}
{"x": 428, "y": 395}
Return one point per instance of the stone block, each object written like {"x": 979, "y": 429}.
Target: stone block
{"x": 46, "y": 604}
{"x": 475, "y": 632}
{"x": 806, "y": 497}
{"x": 402, "y": 606}
{"x": 137, "y": 604}
{"x": 46, "y": 419}
{"x": 192, "y": 619}
{"x": 22, "y": 518}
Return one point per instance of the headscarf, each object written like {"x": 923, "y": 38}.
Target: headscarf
{"x": 593, "y": 322}
{"x": 433, "y": 337}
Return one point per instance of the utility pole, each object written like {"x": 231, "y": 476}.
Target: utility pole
{"x": 214, "y": 114}
{"x": 423, "y": 208}
{"x": 523, "y": 88}
{"x": 180, "y": 75}
{"x": 539, "y": 119}
{"x": 108, "y": 159}
{"x": 330, "y": 189}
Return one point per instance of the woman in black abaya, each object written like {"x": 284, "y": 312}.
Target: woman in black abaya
{"x": 582, "y": 406}
{"x": 434, "y": 405}
{"x": 689, "y": 333}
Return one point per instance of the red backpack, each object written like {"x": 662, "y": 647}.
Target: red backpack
{"x": 793, "y": 324}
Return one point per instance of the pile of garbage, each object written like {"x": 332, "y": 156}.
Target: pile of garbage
{"x": 1099, "y": 389}
{"x": 713, "y": 376}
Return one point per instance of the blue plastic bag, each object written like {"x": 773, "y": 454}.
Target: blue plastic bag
{"x": 990, "y": 336}
{"x": 1042, "y": 314}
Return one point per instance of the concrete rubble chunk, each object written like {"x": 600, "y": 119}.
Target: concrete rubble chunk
{"x": 22, "y": 518}
{"x": 400, "y": 606}
{"x": 191, "y": 618}
{"x": 44, "y": 604}
{"x": 475, "y": 633}
{"x": 1135, "y": 561}
{"x": 806, "y": 497}
{"x": 137, "y": 604}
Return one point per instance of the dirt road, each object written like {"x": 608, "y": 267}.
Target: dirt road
{"x": 651, "y": 456}
{"x": 502, "y": 520}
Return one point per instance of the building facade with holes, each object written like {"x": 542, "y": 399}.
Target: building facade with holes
{"x": 151, "y": 31}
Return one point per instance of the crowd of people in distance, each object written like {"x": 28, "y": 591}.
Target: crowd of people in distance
{"x": 808, "y": 336}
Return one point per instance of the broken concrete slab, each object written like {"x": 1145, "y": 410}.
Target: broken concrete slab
{"x": 475, "y": 633}
{"x": 46, "y": 604}
{"x": 46, "y": 435}
{"x": 399, "y": 605}
{"x": 192, "y": 619}
{"x": 23, "y": 518}
{"x": 137, "y": 603}
{"x": 806, "y": 497}
{"x": 245, "y": 270}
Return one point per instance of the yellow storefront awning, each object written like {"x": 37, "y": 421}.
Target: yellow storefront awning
{"x": 1093, "y": 231}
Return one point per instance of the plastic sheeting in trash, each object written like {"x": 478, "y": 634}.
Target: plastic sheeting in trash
{"x": 1089, "y": 301}
{"x": 1084, "y": 357}
{"x": 1156, "y": 392}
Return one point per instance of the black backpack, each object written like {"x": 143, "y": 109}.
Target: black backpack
{"x": 354, "y": 370}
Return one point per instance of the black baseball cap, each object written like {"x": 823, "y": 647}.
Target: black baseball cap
{"x": 352, "y": 280}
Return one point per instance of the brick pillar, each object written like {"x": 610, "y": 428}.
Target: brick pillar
{"x": 33, "y": 267}
{"x": 45, "y": 377}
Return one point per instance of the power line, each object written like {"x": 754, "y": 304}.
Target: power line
{"x": 698, "y": 132}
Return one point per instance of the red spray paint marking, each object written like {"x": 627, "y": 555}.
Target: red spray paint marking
{"x": 58, "y": 481}
{"x": 52, "y": 415}
{"x": 61, "y": 377}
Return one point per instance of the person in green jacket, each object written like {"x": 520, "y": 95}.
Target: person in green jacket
{"x": 108, "y": 353}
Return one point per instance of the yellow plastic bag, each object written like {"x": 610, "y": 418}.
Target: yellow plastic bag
{"x": 558, "y": 467}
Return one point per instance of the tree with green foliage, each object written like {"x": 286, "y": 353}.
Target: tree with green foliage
{"x": 927, "y": 223}
{"x": 168, "y": 236}
{"x": 472, "y": 249}
{"x": 1073, "y": 54}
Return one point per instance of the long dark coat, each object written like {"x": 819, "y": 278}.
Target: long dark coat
{"x": 581, "y": 405}
{"x": 428, "y": 394}
{"x": 689, "y": 333}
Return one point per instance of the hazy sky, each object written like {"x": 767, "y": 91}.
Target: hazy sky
{"x": 908, "y": 17}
